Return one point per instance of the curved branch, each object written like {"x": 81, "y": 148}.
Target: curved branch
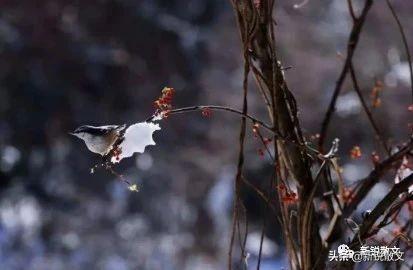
{"x": 366, "y": 109}
{"x": 405, "y": 43}
{"x": 218, "y": 108}
{"x": 351, "y": 46}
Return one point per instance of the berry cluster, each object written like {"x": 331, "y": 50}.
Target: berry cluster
{"x": 164, "y": 102}
{"x": 287, "y": 196}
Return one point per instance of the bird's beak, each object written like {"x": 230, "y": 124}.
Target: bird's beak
{"x": 71, "y": 133}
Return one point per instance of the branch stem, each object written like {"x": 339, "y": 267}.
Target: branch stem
{"x": 405, "y": 43}
{"x": 351, "y": 47}
{"x": 219, "y": 108}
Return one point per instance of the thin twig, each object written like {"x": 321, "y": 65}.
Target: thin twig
{"x": 217, "y": 108}
{"x": 405, "y": 43}
{"x": 381, "y": 207}
{"x": 368, "y": 182}
{"x": 351, "y": 9}
{"x": 261, "y": 242}
{"x": 351, "y": 46}
{"x": 240, "y": 166}
{"x": 366, "y": 109}
{"x": 232, "y": 239}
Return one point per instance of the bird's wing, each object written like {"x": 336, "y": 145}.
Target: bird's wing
{"x": 102, "y": 130}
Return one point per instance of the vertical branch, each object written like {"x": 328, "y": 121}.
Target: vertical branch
{"x": 238, "y": 179}
{"x": 405, "y": 43}
{"x": 351, "y": 46}
{"x": 368, "y": 112}
{"x": 351, "y": 9}
{"x": 246, "y": 31}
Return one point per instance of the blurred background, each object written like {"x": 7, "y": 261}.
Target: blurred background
{"x": 68, "y": 63}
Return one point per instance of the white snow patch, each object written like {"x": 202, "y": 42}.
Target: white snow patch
{"x": 136, "y": 138}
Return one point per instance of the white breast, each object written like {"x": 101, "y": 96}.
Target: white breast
{"x": 97, "y": 144}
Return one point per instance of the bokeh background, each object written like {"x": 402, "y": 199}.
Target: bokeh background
{"x": 68, "y": 63}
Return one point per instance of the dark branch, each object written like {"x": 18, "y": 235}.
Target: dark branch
{"x": 405, "y": 43}
{"x": 372, "y": 179}
{"x": 351, "y": 46}
{"x": 366, "y": 109}
{"x": 217, "y": 108}
{"x": 351, "y": 9}
{"x": 381, "y": 208}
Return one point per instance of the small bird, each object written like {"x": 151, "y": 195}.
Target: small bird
{"x": 101, "y": 139}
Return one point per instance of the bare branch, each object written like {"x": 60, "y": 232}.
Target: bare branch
{"x": 405, "y": 43}
{"x": 351, "y": 9}
{"x": 217, "y": 108}
{"x": 381, "y": 207}
{"x": 351, "y": 46}
{"x": 368, "y": 182}
{"x": 366, "y": 109}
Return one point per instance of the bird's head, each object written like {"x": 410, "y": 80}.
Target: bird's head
{"x": 81, "y": 132}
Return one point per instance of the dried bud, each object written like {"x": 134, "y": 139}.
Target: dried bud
{"x": 290, "y": 197}
{"x": 355, "y": 152}
{"x": 347, "y": 195}
{"x": 255, "y": 128}
{"x": 206, "y": 112}
{"x": 375, "y": 94}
